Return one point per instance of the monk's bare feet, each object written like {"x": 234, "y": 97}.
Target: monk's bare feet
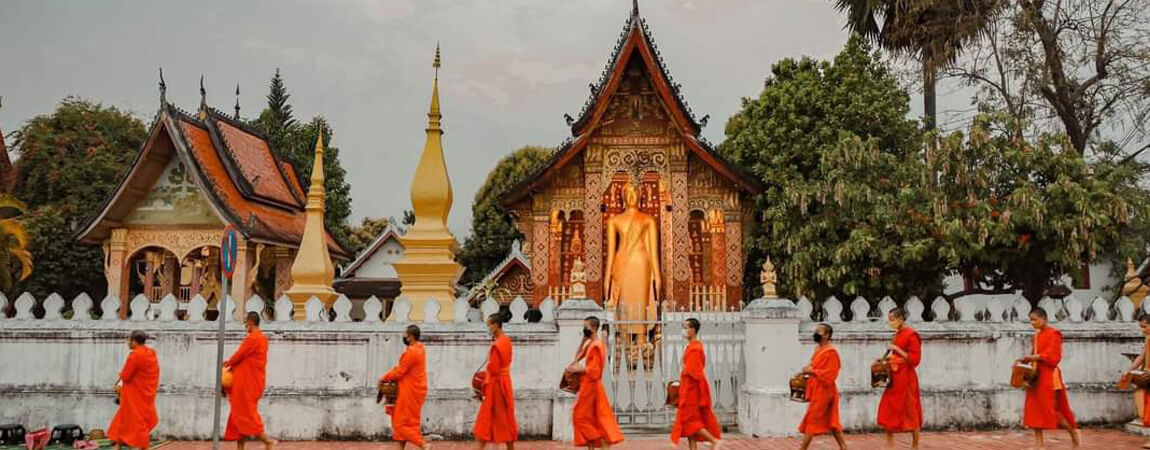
{"x": 270, "y": 444}
{"x": 1146, "y": 445}
{"x": 718, "y": 443}
{"x": 1075, "y": 437}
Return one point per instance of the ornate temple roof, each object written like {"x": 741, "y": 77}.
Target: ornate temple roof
{"x": 514, "y": 258}
{"x": 635, "y": 41}
{"x": 231, "y": 164}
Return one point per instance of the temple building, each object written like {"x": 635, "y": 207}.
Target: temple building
{"x": 372, "y": 273}
{"x": 637, "y": 196}
{"x": 197, "y": 173}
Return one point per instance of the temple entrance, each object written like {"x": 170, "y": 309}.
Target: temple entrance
{"x": 638, "y": 375}
{"x": 154, "y": 272}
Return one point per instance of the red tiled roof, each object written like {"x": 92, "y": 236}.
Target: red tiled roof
{"x": 256, "y": 164}
{"x": 257, "y": 220}
{"x": 289, "y": 172}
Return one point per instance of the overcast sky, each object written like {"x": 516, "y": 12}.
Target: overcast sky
{"x": 511, "y": 68}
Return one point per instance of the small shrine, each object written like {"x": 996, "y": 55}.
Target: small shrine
{"x": 197, "y": 173}
{"x": 636, "y": 197}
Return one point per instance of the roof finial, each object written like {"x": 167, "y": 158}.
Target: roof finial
{"x": 163, "y": 87}
{"x": 433, "y": 115}
{"x": 237, "y": 101}
{"x": 436, "y": 63}
{"x": 203, "y": 98}
{"x": 635, "y": 8}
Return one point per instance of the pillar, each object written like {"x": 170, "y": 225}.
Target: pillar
{"x": 283, "y": 260}
{"x": 239, "y": 285}
{"x": 116, "y": 268}
{"x": 569, "y": 318}
{"x": 772, "y": 354}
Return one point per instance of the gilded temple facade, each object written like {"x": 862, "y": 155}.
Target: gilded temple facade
{"x": 636, "y": 134}
{"x": 197, "y": 173}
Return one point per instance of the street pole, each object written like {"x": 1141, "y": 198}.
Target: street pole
{"x": 222, "y": 319}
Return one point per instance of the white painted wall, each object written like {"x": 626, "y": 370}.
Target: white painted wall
{"x": 380, "y": 263}
{"x": 1100, "y": 279}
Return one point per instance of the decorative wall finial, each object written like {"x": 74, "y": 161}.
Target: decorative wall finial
{"x": 769, "y": 279}
{"x": 163, "y": 87}
{"x": 237, "y": 101}
{"x": 436, "y": 63}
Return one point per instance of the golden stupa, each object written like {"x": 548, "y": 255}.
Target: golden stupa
{"x": 428, "y": 269}
{"x": 312, "y": 272}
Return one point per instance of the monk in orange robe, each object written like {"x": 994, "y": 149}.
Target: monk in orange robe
{"x": 1047, "y": 405}
{"x": 694, "y": 417}
{"x": 249, "y": 371}
{"x": 900, "y": 409}
{"x": 496, "y": 421}
{"x": 592, "y": 416}
{"x": 139, "y": 379}
{"x": 1140, "y": 364}
{"x": 822, "y": 393}
{"x": 411, "y": 374}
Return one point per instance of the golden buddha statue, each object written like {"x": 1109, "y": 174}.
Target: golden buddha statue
{"x": 633, "y": 283}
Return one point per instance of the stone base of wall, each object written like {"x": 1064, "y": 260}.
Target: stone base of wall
{"x": 1136, "y": 427}
{"x": 287, "y": 416}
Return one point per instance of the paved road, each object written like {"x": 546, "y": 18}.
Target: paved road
{"x": 997, "y": 440}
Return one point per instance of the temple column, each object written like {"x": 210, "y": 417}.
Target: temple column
{"x": 239, "y": 289}
{"x": 116, "y": 267}
{"x": 197, "y": 272}
{"x": 283, "y": 260}
{"x": 541, "y": 235}
{"x": 680, "y": 270}
{"x": 170, "y": 275}
{"x": 554, "y": 255}
{"x": 593, "y": 223}
{"x": 718, "y": 253}
{"x": 734, "y": 252}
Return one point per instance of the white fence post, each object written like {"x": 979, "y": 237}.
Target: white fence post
{"x": 772, "y": 353}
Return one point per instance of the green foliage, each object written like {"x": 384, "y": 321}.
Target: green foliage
{"x": 491, "y": 229}
{"x": 294, "y": 143}
{"x": 1025, "y": 213}
{"x": 361, "y": 236}
{"x": 63, "y": 265}
{"x": 806, "y": 112}
{"x": 70, "y": 161}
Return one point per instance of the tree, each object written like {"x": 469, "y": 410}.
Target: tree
{"x": 491, "y": 229}
{"x": 14, "y": 239}
{"x": 807, "y": 111}
{"x": 932, "y": 31}
{"x": 294, "y": 143}
{"x": 1019, "y": 215}
{"x": 1084, "y": 65}
{"x": 359, "y": 237}
{"x": 70, "y": 161}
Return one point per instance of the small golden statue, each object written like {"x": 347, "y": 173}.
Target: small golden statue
{"x": 769, "y": 280}
{"x": 578, "y": 279}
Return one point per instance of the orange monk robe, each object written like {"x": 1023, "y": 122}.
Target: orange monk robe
{"x": 1046, "y": 398}
{"x": 406, "y": 414}
{"x": 592, "y": 415}
{"x": 249, "y": 371}
{"x": 694, "y": 412}
{"x": 900, "y": 409}
{"x": 822, "y": 394}
{"x": 496, "y": 421}
{"x": 134, "y": 420}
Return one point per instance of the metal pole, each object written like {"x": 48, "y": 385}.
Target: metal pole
{"x": 222, "y": 319}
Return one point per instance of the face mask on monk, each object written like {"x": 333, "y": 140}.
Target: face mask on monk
{"x": 817, "y": 337}
{"x": 686, "y": 335}
{"x": 406, "y": 340}
{"x": 587, "y": 333}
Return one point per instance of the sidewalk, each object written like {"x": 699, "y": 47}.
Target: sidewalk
{"x": 995, "y": 440}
